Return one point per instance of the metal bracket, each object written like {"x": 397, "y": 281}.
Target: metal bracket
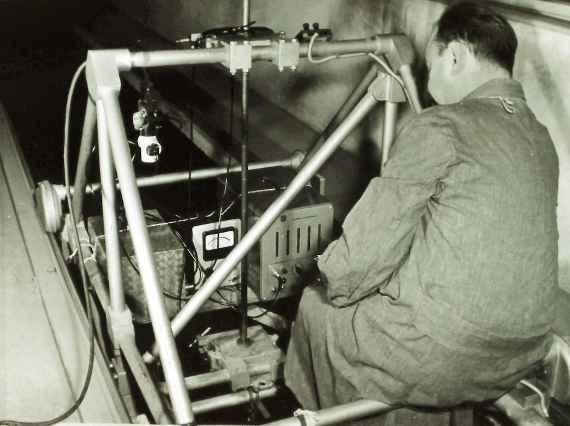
{"x": 238, "y": 57}
{"x": 239, "y": 373}
{"x": 386, "y": 88}
{"x": 286, "y": 54}
{"x": 103, "y": 68}
{"x": 120, "y": 324}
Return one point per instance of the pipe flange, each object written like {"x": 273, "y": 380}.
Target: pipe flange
{"x": 48, "y": 207}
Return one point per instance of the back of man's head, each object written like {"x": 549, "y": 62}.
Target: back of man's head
{"x": 488, "y": 33}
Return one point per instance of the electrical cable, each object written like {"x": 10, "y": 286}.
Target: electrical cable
{"x": 392, "y": 74}
{"x": 543, "y": 405}
{"x": 327, "y": 58}
{"x": 82, "y": 271}
{"x": 388, "y": 70}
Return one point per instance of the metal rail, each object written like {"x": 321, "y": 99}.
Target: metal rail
{"x": 291, "y": 162}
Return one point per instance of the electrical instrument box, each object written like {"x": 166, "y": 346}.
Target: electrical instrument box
{"x": 287, "y": 250}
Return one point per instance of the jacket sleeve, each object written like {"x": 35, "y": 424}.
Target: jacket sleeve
{"x": 379, "y": 231}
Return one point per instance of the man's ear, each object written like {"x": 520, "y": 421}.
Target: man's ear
{"x": 459, "y": 56}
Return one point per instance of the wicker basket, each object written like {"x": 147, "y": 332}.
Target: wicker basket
{"x": 168, "y": 259}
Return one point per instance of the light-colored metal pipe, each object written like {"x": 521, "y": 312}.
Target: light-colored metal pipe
{"x": 518, "y": 415}
{"x": 89, "y": 123}
{"x": 339, "y": 414}
{"x": 112, "y": 244}
{"x": 218, "y": 377}
{"x": 232, "y": 399}
{"x": 144, "y": 379}
{"x": 272, "y": 212}
{"x": 163, "y": 58}
{"x": 141, "y": 242}
{"x": 380, "y": 44}
{"x": 390, "y": 116}
{"x": 411, "y": 88}
{"x": 292, "y": 162}
{"x": 245, "y": 12}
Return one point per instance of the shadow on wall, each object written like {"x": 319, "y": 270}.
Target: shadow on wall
{"x": 543, "y": 70}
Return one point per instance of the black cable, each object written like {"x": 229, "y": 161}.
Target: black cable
{"x": 271, "y": 306}
{"x": 82, "y": 271}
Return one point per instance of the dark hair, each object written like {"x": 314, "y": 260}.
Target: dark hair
{"x": 489, "y": 34}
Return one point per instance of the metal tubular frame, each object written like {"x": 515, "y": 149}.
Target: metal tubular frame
{"x": 104, "y": 84}
{"x": 340, "y": 413}
{"x": 87, "y": 136}
{"x": 112, "y": 244}
{"x": 232, "y": 399}
{"x": 217, "y": 377}
{"x": 396, "y": 46}
{"x": 390, "y": 114}
{"x": 272, "y": 212}
{"x": 141, "y": 243}
{"x": 292, "y": 162}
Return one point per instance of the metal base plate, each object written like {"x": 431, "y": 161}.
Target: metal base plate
{"x": 260, "y": 360}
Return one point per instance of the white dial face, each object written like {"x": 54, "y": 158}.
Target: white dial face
{"x": 221, "y": 240}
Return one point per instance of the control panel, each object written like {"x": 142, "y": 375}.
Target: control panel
{"x": 288, "y": 248}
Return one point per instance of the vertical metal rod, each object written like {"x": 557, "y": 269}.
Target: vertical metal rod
{"x": 87, "y": 133}
{"x": 272, "y": 213}
{"x": 246, "y": 12}
{"x": 390, "y": 115}
{"x": 141, "y": 242}
{"x": 244, "y": 213}
{"x": 112, "y": 247}
{"x": 244, "y": 190}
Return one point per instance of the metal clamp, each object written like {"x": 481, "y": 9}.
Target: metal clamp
{"x": 386, "y": 88}
{"x": 286, "y": 54}
{"x": 238, "y": 57}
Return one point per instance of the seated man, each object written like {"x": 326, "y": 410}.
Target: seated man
{"x": 442, "y": 287}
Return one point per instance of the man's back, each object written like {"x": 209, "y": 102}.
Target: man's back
{"x": 488, "y": 247}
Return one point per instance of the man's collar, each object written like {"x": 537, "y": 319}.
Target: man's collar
{"x": 500, "y": 87}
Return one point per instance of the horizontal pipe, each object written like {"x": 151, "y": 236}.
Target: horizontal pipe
{"x": 232, "y": 399}
{"x": 339, "y": 414}
{"x": 213, "y": 378}
{"x": 163, "y": 58}
{"x": 169, "y": 178}
{"x": 380, "y": 44}
{"x": 171, "y": 365}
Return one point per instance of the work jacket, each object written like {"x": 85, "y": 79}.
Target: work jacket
{"x": 442, "y": 285}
